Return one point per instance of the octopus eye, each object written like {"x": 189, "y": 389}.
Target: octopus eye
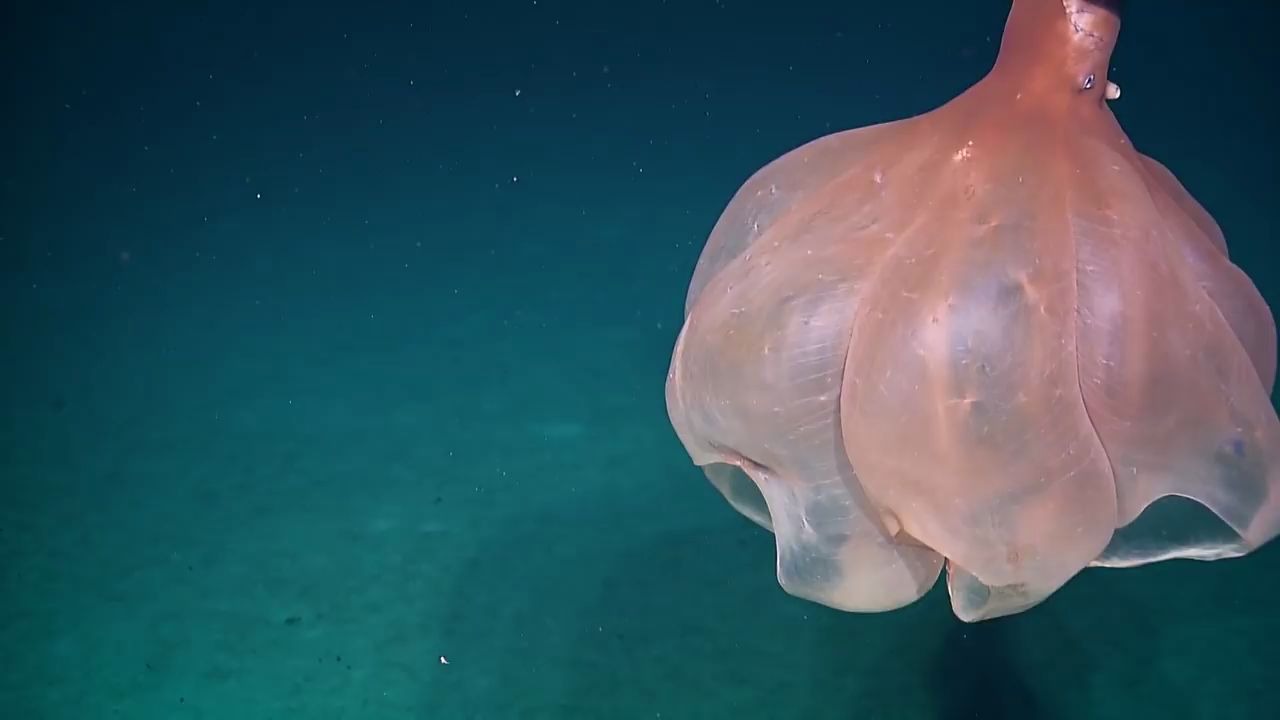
{"x": 1088, "y": 82}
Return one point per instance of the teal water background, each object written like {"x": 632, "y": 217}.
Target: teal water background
{"x": 334, "y": 339}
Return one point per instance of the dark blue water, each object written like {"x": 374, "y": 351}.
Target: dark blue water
{"x": 334, "y": 339}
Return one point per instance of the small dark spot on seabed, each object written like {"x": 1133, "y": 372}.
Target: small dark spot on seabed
{"x": 293, "y": 620}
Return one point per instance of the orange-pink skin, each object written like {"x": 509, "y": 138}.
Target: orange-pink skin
{"x": 986, "y": 337}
